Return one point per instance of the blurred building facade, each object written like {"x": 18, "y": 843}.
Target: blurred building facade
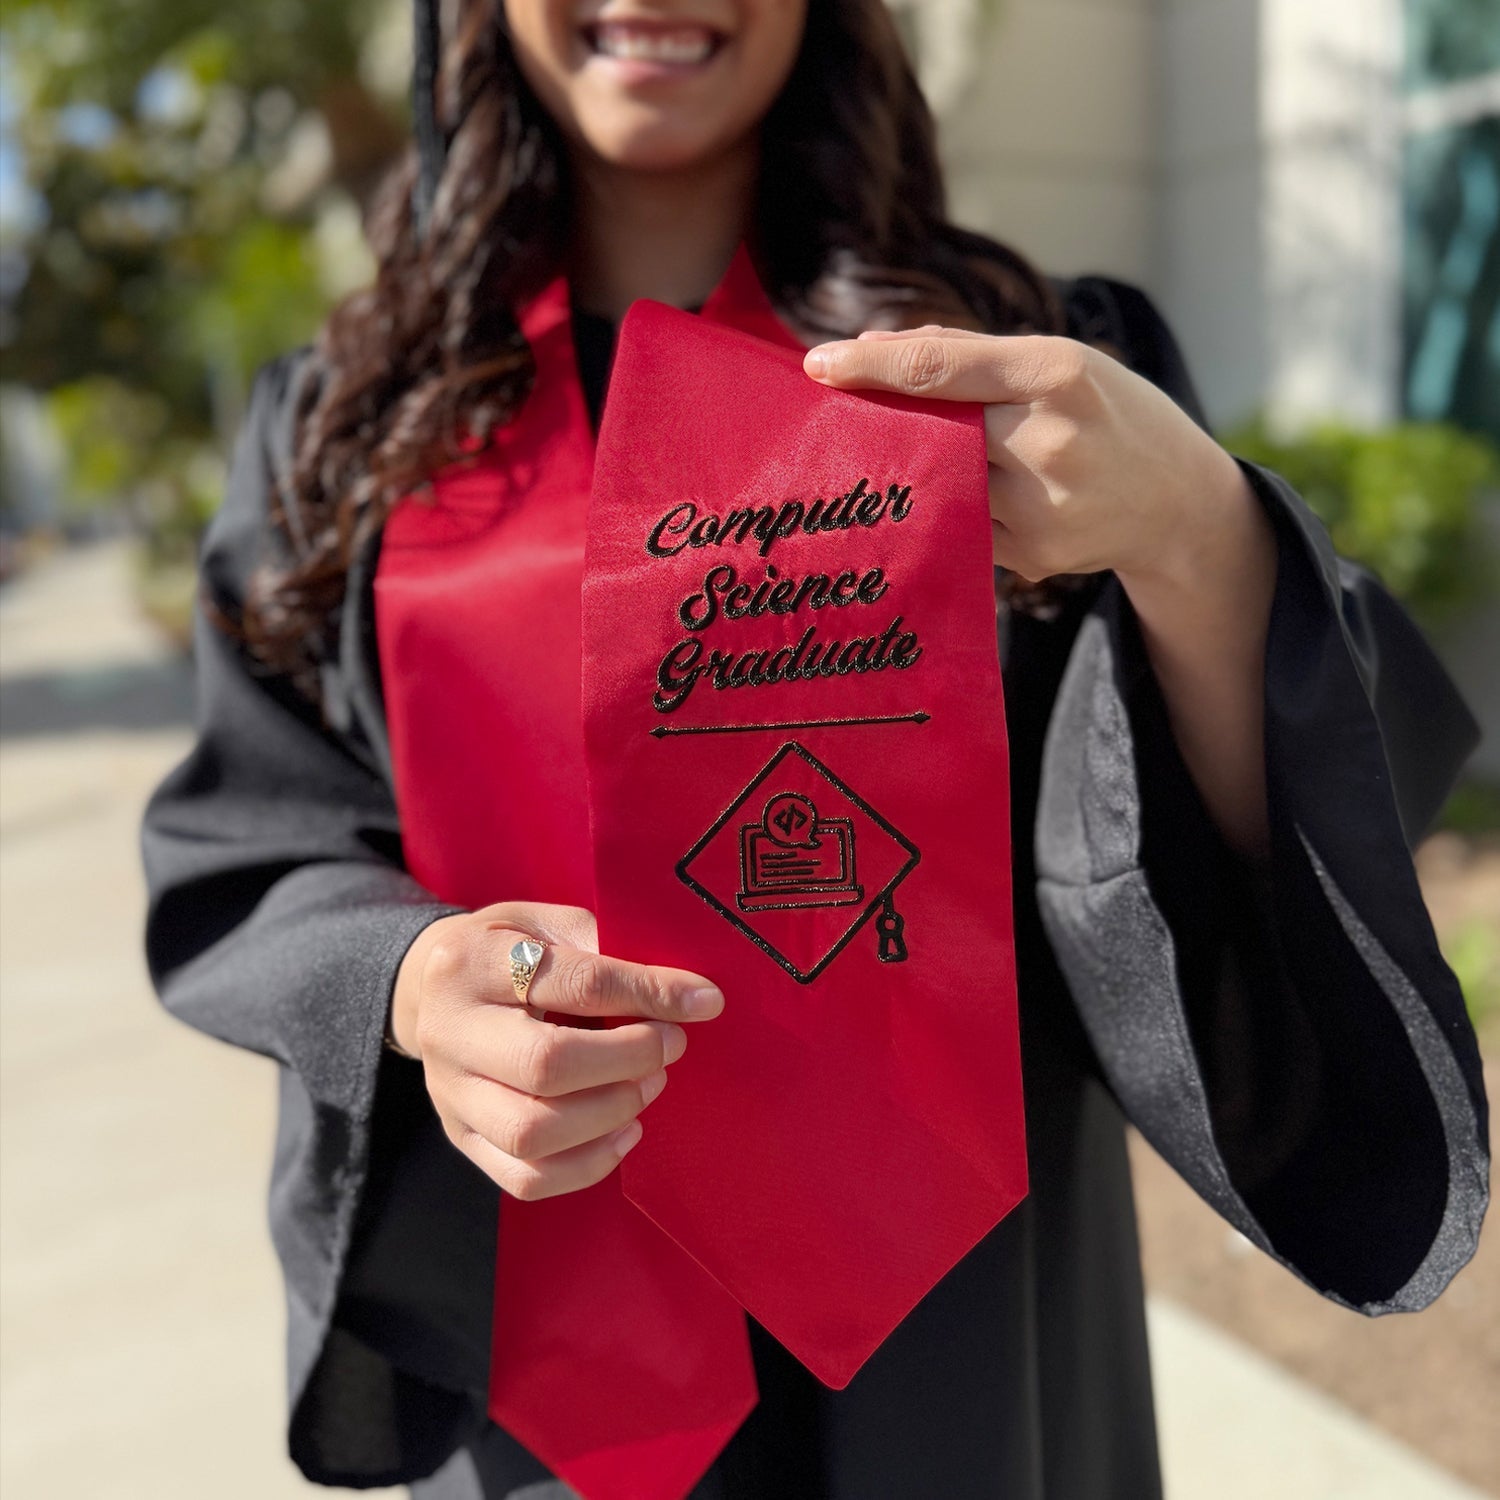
{"x": 1310, "y": 191}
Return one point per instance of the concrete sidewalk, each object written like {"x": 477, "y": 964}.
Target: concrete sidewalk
{"x": 142, "y": 1321}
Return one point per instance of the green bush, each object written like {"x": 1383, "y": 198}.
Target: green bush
{"x": 122, "y": 451}
{"x": 1473, "y": 953}
{"x": 1473, "y": 809}
{"x": 1404, "y": 500}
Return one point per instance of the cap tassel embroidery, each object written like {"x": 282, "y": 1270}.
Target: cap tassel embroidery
{"x": 891, "y": 925}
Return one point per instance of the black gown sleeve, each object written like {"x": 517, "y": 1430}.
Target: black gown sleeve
{"x": 279, "y": 912}
{"x": 1288, "y": 1036}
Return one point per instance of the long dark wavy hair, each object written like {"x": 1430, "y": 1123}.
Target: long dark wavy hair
{"x": 851, "y": 234}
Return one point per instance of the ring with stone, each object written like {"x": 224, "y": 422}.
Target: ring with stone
{"x": 525, "y": 959}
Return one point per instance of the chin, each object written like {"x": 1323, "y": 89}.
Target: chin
{"x": 666, "y": 149}
{"x": 646, "y": 140}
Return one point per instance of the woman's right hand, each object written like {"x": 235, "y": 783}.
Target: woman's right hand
{"x": 540, "y": 1108}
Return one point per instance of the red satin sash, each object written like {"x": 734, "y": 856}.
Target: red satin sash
{"x": 617, "y": 1358}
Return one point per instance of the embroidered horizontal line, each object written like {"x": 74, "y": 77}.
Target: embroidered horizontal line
{"x": 662, "y": 731}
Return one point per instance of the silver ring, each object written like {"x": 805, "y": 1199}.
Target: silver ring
{"x": 525, "y": 960}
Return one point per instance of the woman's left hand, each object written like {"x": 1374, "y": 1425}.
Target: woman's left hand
{"x": 1091, "y": 466}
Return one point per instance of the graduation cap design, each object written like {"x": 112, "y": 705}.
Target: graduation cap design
{"x": 799, "y": 862}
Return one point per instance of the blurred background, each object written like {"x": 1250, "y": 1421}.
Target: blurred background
{"x": 1312, "y": 194}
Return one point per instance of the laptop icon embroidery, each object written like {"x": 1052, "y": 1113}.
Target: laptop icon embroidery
{"x": 792, "y": 858}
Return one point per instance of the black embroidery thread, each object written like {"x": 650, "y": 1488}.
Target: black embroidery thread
{"x": 891, "y": 925}
{"x": 785, "y": 858}
{"x": 724, "y": 592}
{"x": 662, "y": 731}
{"x": 812, "y": 657}
{"x": 765, "y": 525}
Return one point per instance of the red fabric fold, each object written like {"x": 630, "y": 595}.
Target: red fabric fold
{"x": 798, "y": 781}
{"x": 852, "y": 1123}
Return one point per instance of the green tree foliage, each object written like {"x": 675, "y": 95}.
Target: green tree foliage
{"x": 1407, "y": 501}
{"x": 180, "y": 155}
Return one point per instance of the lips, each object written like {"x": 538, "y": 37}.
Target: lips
{"x": 655, "y": 44}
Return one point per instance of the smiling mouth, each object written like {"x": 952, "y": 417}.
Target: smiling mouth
{"x": 670, "y": 46}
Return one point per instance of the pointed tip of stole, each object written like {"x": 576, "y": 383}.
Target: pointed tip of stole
{"x": 663, "y": 1468}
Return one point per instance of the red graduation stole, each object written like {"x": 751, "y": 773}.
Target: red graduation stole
{"x": 782, "y": 694}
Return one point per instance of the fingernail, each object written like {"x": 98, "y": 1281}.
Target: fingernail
{"x": 627, "y": 1136}
{"x": 703, "y": 1003}
{"x": 652, "y": 1086}
{"x": 673, "y": 1043}
{"x": 816, "y": 362}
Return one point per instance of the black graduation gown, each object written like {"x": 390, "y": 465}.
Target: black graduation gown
{"x": 1289, "y": 1039}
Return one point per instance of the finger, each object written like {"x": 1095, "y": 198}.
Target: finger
{"x": 926, "y": 330}
{"x": 1003, "y": 549}
{"x": 579, "y": 983}
{"x": 574, "y": 926}
{"x": 1012, "y": 554}
{"x": 997, "y": 496}
{"x": 1000, "y": 538}
{"x": 529, "y": 1128}
{"x": 566, "y": 1172}
{"x": 1001, "y": 423}
{"x": 950, "y": 366}
{"x": 503, "y": 1043}
{"x": 1008, "y": 525}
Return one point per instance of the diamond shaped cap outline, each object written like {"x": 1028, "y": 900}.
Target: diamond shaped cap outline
{"x": 736, "y": 807}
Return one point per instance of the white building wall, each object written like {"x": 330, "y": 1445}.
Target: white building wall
{"x": 1237, "y": 158}
{"x": 1208, "y": 256}
{"x": 1330, "y": 108}
{"x": 1050, "y": 145}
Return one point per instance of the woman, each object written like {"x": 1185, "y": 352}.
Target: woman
{"x": 1223, "y": 741}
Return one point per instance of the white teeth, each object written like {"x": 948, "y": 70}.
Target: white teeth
{"x": 680, "y": 47}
